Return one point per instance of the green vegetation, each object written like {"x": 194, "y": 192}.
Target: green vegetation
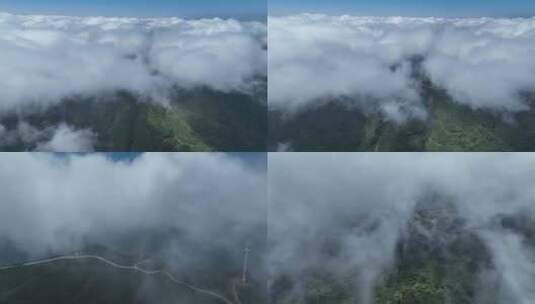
{"x": 214, "y": 268}
{"x": 456, "y": 127}
{"x": 329, "y": 127}
{"x": 194, "y": 120}
{"x": 336, "y": 127}
{"x": 450, "y": 126}
{"x": 225, "y": 121}
{"x": 422, "y": 286}
{"x": 437, "y": 261}
{"x": 320, "y": 287}
{"x": 174, "y": 129}
{"x": 327, "y": 290}
{"x": 90, "y": 282}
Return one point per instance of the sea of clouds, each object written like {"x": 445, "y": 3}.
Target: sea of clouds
{"x": 485, "y": 63}
{"x": 46, "y": 58}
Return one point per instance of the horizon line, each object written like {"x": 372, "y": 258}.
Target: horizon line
{"x": 244, "y": 17}
{"x": 511, "y": 16}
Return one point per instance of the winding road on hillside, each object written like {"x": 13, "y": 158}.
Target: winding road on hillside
{"x": 136, "y": 268}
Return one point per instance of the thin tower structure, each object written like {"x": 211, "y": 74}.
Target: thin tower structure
{"x": 245, "y": 264}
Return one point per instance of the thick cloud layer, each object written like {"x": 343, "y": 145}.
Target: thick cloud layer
{"x": 45, "y": 58}
{"x": 482, "y": 62}
{"x": 364, "y": 201}
{"x": 55, "y": 204}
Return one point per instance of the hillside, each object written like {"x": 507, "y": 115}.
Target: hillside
{"x": 437, "y": 260}
{"x": 140, "y": 268}
{"x": 195, "y": 120}
{"x": 357, "y": 124}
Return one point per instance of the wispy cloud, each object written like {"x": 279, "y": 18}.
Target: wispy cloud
{"x": 363, "y": 203}
{"x": 481, "y": 62}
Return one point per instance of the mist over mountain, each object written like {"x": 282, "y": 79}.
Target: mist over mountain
{"x": 408, "y": 228}
{"x": 329, "y": 228}
{"x": 189, "y": 215}
{"x": 414, "y": 77}
{"x": 155, "y": 67}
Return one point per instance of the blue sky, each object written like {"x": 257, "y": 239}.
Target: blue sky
{"x": 256, "y": 9}
{"x": 243, "y": 9}
{"x": 254, "y": 160}
{"x": 447, "y": 8}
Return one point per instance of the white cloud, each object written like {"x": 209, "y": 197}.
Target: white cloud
{"x": 45, "y": 58}
{"x": 62, "y": 138}
{"x": 55, "y": 203}
{"x": 66, "y": 139}
{"x": 515, "y": 263}
{"x": 481, "y": 62}
{"x": 366, "y": 200}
